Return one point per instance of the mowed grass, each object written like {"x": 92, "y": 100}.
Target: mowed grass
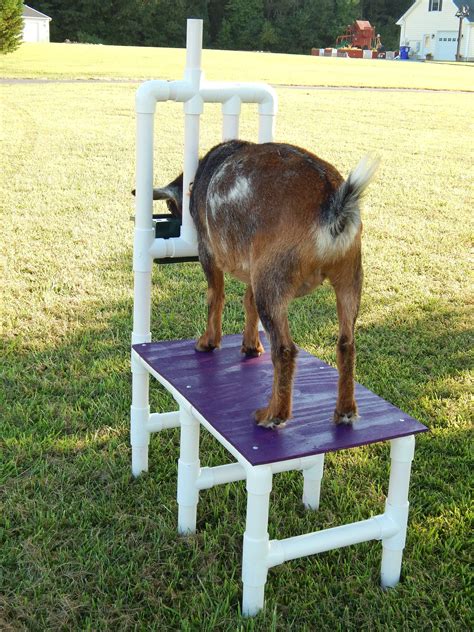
{"x": 85, "y": 61}
{"x": 84, "y": 545}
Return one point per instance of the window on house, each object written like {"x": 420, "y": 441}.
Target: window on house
{"x": 436, "y": 5}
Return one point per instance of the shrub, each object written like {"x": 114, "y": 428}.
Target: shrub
{"x": 87, "y": 38}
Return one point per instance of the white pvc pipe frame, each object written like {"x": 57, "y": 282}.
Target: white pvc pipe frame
{"x": 260, "y": 554}
{"x": 193, "y": 91}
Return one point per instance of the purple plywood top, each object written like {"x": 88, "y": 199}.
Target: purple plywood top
{"x": 226, "y": 388}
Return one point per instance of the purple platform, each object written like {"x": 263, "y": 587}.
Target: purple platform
{"x": 226, "y": 388}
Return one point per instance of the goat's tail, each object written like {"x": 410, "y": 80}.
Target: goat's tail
{"x": 340, "y": 217}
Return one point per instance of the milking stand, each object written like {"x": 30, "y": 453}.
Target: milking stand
{"x": 208, "y": 387}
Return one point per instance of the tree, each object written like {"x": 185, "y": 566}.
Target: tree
{"x": 225, "y": 39}
{"x": 268, "y": 36}
{"x": 11, "y": 25}
{"x": 216, "y": 11}
{"x": 242, "y": 25}
{"x": 287, "y": 26}
{"x": 383, "y": 14}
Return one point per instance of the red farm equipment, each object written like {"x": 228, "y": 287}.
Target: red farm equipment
{"x": 360, "y": 34}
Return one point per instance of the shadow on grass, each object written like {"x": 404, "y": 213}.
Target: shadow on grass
{"x": 415, "y": 356}
{"x": 87, "y": 545}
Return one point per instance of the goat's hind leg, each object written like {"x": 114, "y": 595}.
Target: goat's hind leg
{"x": 251, "y": 344}
{"x": 274, "y": 316}
{"x": 211, "y": 338}
{"x": 348, "y": 293}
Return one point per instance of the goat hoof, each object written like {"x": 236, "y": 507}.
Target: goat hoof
{"x": 265, "y": 420}
{"x": 345, "y": 418}
{"x": 252, "y": 352}
{"x": 203, "y": 346}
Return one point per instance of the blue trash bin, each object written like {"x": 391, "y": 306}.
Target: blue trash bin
{"x": 404, "y": 52}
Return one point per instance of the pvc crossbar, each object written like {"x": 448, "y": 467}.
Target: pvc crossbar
{"x": 163, "y": 421}
{"x": 375, "y": 528}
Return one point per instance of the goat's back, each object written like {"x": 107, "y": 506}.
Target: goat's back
{"x": 253, "y": 200}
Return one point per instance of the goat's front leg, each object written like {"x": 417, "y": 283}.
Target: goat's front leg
{"x": 212, "y": 337}
{"x": 348, "y": 301}
{"x": 275, "y": 320}
{"x": 251, "y": 344}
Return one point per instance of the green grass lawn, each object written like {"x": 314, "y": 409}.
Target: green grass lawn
{"x": 91, "y": 61}
{"x": 85, "y": 546}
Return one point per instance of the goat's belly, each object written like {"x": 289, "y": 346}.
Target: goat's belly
{"x": 240, "y": 275}
{"x": 238, "y": 269}
{"x": 230, "y": 253}
{"x": 310, "y": 283}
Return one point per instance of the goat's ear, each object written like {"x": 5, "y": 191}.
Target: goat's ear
{"x": 166, "y": 193}
{"x": 173, "y": 194}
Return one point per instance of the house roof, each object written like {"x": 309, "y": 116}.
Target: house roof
{"x": 458, "y": 4}
{"x": 407, "y": 12}
{"x": 28, "y": 12}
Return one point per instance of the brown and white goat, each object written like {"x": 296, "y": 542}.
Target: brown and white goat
{"x": 281, "y": 220}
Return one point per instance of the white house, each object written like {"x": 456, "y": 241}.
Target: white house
{"x": 36, "y": 25}
{"x": 431, "y": 27}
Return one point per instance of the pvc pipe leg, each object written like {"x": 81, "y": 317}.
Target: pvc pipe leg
{"x": 391, "y": 567}
{"x": 256, "y": 540}
{"x": 188, "y": 472}
{"x": 253, "y": 600}
{"x": 312, "y": 483}
{"x": 139, "y": 460}
{"x": 192, "y": 112}
{"x": 266, "y": 127}
{"x": 396, "y": 507}
{"x": 142, "y": 265}
{"x": 139, "y": 416}
{"x": 230, "y": 120}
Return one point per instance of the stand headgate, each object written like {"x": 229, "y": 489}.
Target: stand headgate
{"x": 208, "y": 387}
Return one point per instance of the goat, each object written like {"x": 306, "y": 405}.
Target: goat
{"x": 281, "y": 220}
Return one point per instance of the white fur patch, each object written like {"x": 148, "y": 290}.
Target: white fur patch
{"x": 329, "y": 247}
{"x": 335, "y": 236}
{"x": 214, "y": 201}
{"x": 239, "y": 191}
